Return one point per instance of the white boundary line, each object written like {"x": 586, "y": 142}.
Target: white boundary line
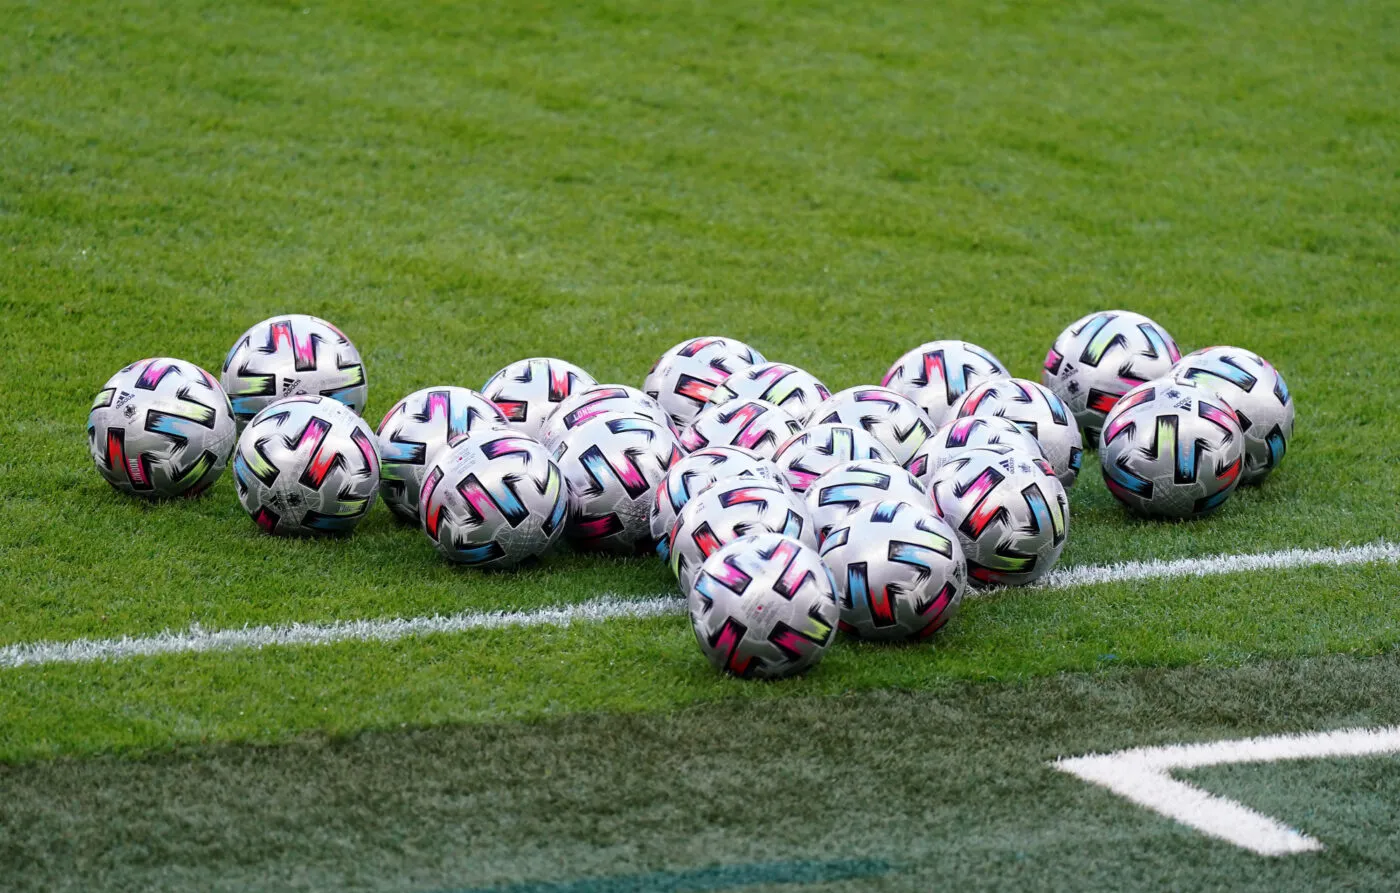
{"x": 1215, "y": 565}
{"x": 197, "y": 640}
{"x": 1143, "y": 775}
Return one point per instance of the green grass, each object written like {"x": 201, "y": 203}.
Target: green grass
{"x": 924, "y": 790}
{"x": 654, "y": 665}
{"x": 461, "y": 185}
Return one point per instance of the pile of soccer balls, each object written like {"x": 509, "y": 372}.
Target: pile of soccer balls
{"x": 785, "y": 511}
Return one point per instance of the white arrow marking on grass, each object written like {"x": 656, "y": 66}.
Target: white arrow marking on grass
{"x": 1143, "y": 775}
{"x": 607, "y": 608}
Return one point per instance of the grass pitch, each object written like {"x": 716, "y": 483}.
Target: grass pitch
{"x": 888, "y": 791}
{"x": 459, "y": 186}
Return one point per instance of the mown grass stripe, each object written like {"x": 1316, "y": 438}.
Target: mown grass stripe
{"x": 610, "y": 607}
{"x": 719, "y": 877}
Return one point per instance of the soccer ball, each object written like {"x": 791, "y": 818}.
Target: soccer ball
{"x": 694, "y": 475}
{"x": 820, "y": 448}
{"x": 764, "y": 607}
{"x": 851, "y": 485}
{"x": 1009, "y": 510}
{"x": 936, "y": 375}
{"x": 493, "y": 498}
{"x": 1035, "y": 408}
{"x": 1101, "y": 357}
{"x": 596, "y": 400}
{"x": 730, "y": 509}
{"x": 1256, "y": 392}
{"x": 797, "y": 391}
{"x": 973, "y": 431}
{"x": 161, "y": 427}
{"x": 899, "y": 570}
{"x": 752, "y": 424}
{"x": 286, "y": 356}
{"x": 891, "y": 418}
{"x": 1172, "y": 450}
{"x": 527, "y": 391}
{"x": 682, "y": 379}
{"x": 415, "y": 428}
{"x": 612, "y": 465}
{"x": 306, "y": 465}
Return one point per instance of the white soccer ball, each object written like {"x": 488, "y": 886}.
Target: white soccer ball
{"x": 972, "y": 431}
{"x": 415, "y": 428}
{"x": 1101, "y": 357}
{"x": 306, "y": 466}
{"x": 160, "y": 428}
{"x": 493, "y": 498}
{"x": 1037, "y": 409}
{"x": 1009, "y": 510}
{"x": 1256, "y": 392}
{"x": 850, "y": 486}
{"x": 287, "y": 356}
{"x": 1170, "y": 449}
{"x": 612, "y": 465}
{"x": 816, "y": 450}
{"x": 596, "y": 400}
{"x": 936, "y": 375}
{"x": 694, "y": 475}
{"x": 754, "y": 425}
{"x": 682, "y": 379}
{"x": 764, "y": 607}
{"x": 730, "y": 509}
{"x": 899, "y": 570}
{"x": 795, "y": 390}
{"x": 891, "y": 418}
{"x": 527, "y": 391}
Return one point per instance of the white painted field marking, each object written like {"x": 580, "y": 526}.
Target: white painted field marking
{"x": 251, "y": 637}
{"x": 1214, "y": 565}
{"x": 196, "y": 639}
{"x": 1143, "y": 775}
